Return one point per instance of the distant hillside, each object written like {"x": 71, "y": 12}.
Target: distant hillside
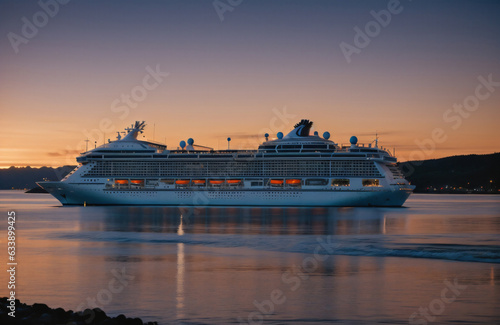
{"x": 455, "y": 174}
{"x": 25, "y": 177}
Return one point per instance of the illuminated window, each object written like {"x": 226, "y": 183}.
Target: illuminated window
{"x": 371, "y": 182}
{"x": 341, "y": 182}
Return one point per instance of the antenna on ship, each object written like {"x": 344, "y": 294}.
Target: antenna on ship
{"x": 376, "y": 139}
{"x": 228, "y": 141}
{"x": 87, "y": 145}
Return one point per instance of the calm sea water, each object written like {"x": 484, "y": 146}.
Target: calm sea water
{"x": 435, "y": 261}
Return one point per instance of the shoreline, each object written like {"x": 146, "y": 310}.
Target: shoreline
{"x": 44, "y": 315}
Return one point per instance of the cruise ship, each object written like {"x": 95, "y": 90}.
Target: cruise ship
{"x": 297, "y": 169}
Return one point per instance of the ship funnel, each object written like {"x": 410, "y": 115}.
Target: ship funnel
{"x": 301, "y": 129}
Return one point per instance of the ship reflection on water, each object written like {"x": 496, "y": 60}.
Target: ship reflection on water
{"x": 248, "y": 221}
{"x": 180, "y": 280}
{"x": 232, "y": 256}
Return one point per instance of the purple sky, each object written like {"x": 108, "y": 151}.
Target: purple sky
{"x": 69, "y": 79}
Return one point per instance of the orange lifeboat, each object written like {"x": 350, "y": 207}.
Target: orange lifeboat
{"x": 216, "y": 181}
{"x": 277, "y": 182}
{"x": 137, "y": 181}
{"x": 182, "y": 182}
{"x": 233, "y": 181}
{"x": 293, "y": 182}
{"x": 198, "y": 181}
{"x": 121, "y": 181}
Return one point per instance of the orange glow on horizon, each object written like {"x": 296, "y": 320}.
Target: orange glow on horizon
{"x": 57, "y": 151}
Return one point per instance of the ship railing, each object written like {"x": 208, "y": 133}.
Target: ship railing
{"x": 237, "y": 154}
{"x": 211, "y": 151}
{"x": 344, "y": 147}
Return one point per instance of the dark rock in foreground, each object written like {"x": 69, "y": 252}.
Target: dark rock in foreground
{"x": 41, "y": 314}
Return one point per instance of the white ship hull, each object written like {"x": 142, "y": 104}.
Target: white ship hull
{"x": 96, "y": 194}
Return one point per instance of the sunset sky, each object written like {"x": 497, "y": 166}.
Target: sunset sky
{"x": 84, "y": 69}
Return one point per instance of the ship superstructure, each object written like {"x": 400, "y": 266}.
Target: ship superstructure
{"x": 298, "y": 169}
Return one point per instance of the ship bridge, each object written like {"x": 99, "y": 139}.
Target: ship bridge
{"x": 128, "y": 145}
